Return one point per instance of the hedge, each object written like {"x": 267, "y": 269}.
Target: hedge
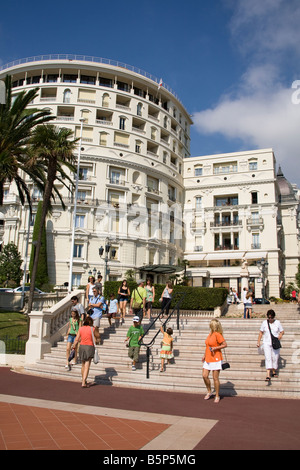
{"x": 197, "y": 298}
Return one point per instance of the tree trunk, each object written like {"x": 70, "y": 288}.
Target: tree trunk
{"x": 45, "y": 207}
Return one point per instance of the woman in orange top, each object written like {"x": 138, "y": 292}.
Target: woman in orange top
{"x": 86, "y": 348}
{"x": 212, "y": 359}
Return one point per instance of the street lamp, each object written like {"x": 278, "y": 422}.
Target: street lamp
{"x": 75, "y": 207}
{"x": 106, "y": 250}
{"x": 262, "y": 265}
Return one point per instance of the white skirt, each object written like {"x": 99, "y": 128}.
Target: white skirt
{"x": 212, "y": 365}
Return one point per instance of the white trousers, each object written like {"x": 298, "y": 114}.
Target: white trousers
{"x": 271, "y": 357}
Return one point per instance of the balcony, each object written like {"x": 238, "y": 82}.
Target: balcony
{"x": 255, "y": 222}
{"x": 255, "y": 246}
{"x": 226, "y": 247}
{"x": 231, "y": 223}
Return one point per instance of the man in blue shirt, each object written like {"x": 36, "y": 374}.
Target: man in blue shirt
{"x": 96, "y": 304}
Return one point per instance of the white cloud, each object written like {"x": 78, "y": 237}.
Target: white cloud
{"x": 264, "y": 118}
{"x": 260, "y": 111}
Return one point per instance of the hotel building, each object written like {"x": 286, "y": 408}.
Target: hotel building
{"x": 141, "y": 193}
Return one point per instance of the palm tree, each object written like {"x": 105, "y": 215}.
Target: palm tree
{"x": 16, "y": 125}
{"x": 51, "y": 149}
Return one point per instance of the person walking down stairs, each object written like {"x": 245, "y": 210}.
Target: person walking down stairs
{"x": 134, "y": 334}
{"x": 167, "y": 347}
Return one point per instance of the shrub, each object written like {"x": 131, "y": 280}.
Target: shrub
{"x": 197, "y": 298}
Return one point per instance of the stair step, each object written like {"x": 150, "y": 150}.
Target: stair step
{"x": 246, "y": 375}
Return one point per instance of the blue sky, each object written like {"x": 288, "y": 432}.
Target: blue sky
{"x": 231, "y": 62}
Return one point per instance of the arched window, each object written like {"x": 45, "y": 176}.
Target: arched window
{"x": 105, "y": 100}
{"x": 67, "y": 96}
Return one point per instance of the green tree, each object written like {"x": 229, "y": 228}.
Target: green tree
{"x": 10, "y": 264}
{"x": 52, "y": 150}
{"x": 298, "y": 277}
{"x": 42, "y": 267}
{"x": 16, "y": 125}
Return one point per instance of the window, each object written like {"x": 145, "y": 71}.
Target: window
{"x": 52, "y": 78}
{"x": 67, "y": 96}
{"x": 138, "y": 147}
{"x": 105, "y": 100}
{"x": 139, "y": 109}
{"x": 68, "y": 78}
{"x": 255, "y": 241}
{"x": 78, "y": 251}
{"x": 252, "y": 166}
{"x": 255, "y": 217}
{"x": 103, "y": 139}
{"x": 198, "y": 202}
{"x": 79, "y": 222}
{"x": 122, "y": 124}
{"x": 226, "y": 201}
{"x": 81, "y": 195}
{"x": 105, "y": 82}
{"x": 87, "y": 79}
{"x": 254, "y": 198}
{"x": 230, "y": 167}
{"x": 198, "y": 171}
{"x": 76, "y": 280}
{"x": 83, "y": 174}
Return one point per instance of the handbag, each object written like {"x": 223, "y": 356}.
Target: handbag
{"x": 96, "y": 355}
{"x": 72, "y": 355}
{"x": 275, "y": 341}
{"x": 225, "y": 365}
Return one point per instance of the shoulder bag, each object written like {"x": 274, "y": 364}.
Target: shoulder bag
{"x": 135, "y": 303}
{"x": 96, "y": 355}
{"x": 275, "y": 341}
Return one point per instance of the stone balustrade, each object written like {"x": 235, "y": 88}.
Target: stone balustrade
{"x": 48, "y": 326}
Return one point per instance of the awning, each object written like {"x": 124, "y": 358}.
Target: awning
{"x": 224, "y": 255}
{"x": 161, "y": 268}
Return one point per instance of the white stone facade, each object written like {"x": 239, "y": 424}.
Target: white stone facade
{"x": 237, "y": 208}
{"x": 135, "y": 137}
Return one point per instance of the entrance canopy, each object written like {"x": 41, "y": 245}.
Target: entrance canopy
{"x": 161, "y": 268}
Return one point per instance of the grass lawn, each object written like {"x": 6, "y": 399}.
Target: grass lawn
{"x": 13, "y": 325}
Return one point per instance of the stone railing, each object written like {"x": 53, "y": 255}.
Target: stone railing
{"x": 48, "y": 326}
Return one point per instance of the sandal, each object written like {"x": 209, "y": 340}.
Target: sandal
{"x": 268, "y": 379}
{"x": 217, "y": 400}
{"x": 207, "y": 396}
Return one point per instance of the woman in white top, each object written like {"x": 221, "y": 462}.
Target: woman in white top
{"x": 165, "y": 298}
{"x": 89, "y": 289}
{"x": 271, "y": 355}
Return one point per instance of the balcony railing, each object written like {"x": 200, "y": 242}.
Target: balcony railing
{"x": 233, "y": 223}
{"x": 226, "y": 247}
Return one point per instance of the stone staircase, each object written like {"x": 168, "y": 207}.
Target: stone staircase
{"x": 246, "y": 376}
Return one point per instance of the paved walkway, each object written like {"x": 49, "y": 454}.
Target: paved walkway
{"x": 42, "y": 413}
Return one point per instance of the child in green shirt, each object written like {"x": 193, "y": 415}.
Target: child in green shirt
{"x": 134, "y": 334}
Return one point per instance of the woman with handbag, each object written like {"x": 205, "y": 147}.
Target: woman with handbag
{"x": 86, "y": 336}
{"x": 272, "y": 331}
{"x": 212, "y": 359}
{"x": 123, "y": 296}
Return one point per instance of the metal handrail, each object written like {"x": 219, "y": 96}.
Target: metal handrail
{"x": 150, "y": 344}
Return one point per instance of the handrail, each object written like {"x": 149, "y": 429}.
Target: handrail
{"x": 150, "y": 344}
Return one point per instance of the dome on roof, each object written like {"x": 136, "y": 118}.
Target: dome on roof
{"x": 285, "y": 187}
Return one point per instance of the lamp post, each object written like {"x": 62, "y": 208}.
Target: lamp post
{"x": 106, "y": 250}
{"x": 75, "y": 207}
{"x": 262, "y": 265}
